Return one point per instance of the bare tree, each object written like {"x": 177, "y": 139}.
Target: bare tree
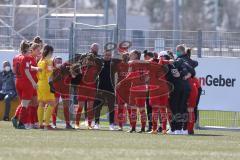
{"x": 160, "y": 13}
{"x": 231, "y": 17}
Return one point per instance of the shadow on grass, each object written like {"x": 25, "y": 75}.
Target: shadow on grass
{"x": 106, "y": 130}
{"x": 82, "y": 129}
{"x": 206, "y": 135}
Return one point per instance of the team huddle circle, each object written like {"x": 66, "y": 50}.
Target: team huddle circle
{"x": 154, "y": 88}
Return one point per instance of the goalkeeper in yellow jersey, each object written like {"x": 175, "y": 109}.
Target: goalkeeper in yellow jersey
{"x": 45, "y": 97}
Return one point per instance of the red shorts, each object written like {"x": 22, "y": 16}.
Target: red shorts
{"x": 119, "y": 100}
{"x": 86, "y": 92}
{"x": 25, "y": 90}
{"x": 192, "y": 100}
{"x": 62, "y": 88}
{"x": 34, "y": 92}
{"x": 138, "y": 96}
{"x": 158, "y": 93}
{"x": 63, "y": 91}
{"x": 122, "y": 91}
{"x": 63, "y": 96}
{"x": 159, "y": 101}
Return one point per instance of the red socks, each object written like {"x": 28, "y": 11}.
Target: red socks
{"x": 90, "y": 114}
{"x": 133, "y": 118}
{"x": 78, "y": 115}
{"x": 35, "y": 114}
{"x": 129, "y": 110}
{"x": 65, "y": 112}
{"x": 17, "y": 112}
{"x": 54, "y": 115}
{"x": 66, "y": 115}
{"x": 143, "y": 118}
{"x": 155, "y": 113}
{"x": 163, "y": 114}
{"x": 191, "y": 121}
{"x": 27, "y": 115}
{"x": 31, "y": 114}
{"x": 23, "y": 115}
{"x": 120, "y": 115}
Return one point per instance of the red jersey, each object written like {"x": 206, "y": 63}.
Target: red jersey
{"x": 63, "y": 81}
{"x": 196, "y": 81}
{"x": 138, "y": 76}
{"x": 90, "y": 75}
{"x": 122, "y": 70}
{"x": 20, "y": 63}
{"x": 33, "y": 63}
{"x": 138, "y": 70}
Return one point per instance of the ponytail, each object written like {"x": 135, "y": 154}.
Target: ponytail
{"x": 189, "y": 52}
{"x": 37, "y": 40}
{"x": 47, "y": 50}
{"x": 24, "y": 46}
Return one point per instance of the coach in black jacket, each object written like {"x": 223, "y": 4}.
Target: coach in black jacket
{"x": 105, "y": 92}
{"x": 180, "y": 71}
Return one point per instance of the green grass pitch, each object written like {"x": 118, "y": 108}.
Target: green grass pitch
{"x": 112, "y": 145}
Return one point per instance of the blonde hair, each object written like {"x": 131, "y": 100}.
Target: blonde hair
{"x": 34, "y": 46}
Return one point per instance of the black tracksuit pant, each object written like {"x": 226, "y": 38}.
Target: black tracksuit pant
{"x": 178, "y": 104}
{"x": 104, "y": 97}
{"x": 149, "y": 114}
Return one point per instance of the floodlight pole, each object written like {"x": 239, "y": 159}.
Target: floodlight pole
{"x": 75, "y": 11}
{"x": 38, "y": 15}
{"x": 106, "y": 8}
{"x": 216, "y": 7}
{"x": 13, "y": 21}
{"x": 176, "y": 15}
{"x": 121, "y": 19}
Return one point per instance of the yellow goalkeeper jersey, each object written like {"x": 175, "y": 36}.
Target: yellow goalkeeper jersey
{"x": 43, "y": 90}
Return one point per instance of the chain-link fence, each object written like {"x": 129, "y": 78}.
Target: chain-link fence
{"x": 203, "y": 43}
{"x": 85, "y": 36}
{"x": 219, "y": 119}
{"x": 54, "y": 24}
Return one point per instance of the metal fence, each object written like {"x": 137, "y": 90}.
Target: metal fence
{"x": 83, "y": 35}
{"x": 55, "y": 27}
{"x": 203, "y": 43}
{"x": 219, "y": 119}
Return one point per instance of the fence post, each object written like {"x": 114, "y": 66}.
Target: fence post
{"x": 199, "y": 44}
{"x": 121, "y": 17}
{"x": 115, "y": 39}
{"x": 71, "y": 41}
{"x": 197, "y": 124}
{"x": 235, "y": 125}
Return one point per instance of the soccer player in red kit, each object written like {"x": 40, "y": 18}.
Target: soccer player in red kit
{"x": 194, "y": 95}
{"x": 159, "y": 96}
{"x": 61, "y": 83}
{"x": 121, "y": 69}
{"x": 33, "y": 105}
{"x": 137, "y": 89}
{"x": 90, "y": 68}
{"x": 192, "y": 102}
{"x": 25, "y": 84}
{"x": 32, "y": 108}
